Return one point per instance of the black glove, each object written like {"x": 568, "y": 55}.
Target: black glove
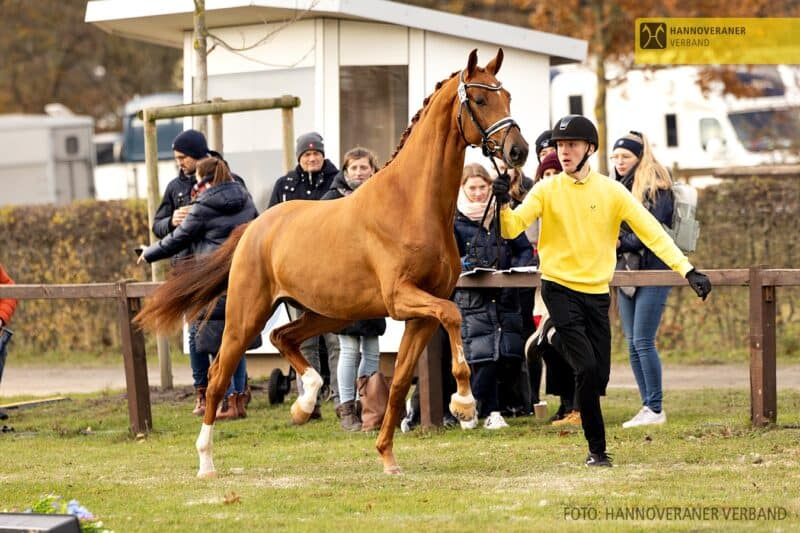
{"x": 699, "y": 282}
{"x": 500, "y": 188}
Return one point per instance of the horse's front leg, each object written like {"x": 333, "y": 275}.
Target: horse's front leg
{"x": 415, "y": 337}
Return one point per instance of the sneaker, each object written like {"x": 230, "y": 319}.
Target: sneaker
{"x": 495, "y": 421}
{"x": 469, "y": 424}
{"x": 573, "y": 418}
{"x": 646, "y": 417}
{"x": 599, "y": 459}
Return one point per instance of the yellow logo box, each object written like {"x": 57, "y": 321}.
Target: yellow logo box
{"x": 717, "y": 41}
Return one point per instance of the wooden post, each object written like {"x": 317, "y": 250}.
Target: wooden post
{"x": 216, "y": 129}
{"x": 133, "y": 353}
{"x": 763, "y": 378}
{"x": 429, "y": 381}
{"x": 287, "y": 116}
{"x": 157, "y": 269}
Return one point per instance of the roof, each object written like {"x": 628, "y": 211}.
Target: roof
{"x": 164, "y": 22}
{"x": 26, "y": 122}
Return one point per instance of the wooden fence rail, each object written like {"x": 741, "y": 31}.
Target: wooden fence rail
{"x": 761, "y": 281}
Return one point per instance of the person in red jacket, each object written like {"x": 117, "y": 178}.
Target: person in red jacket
{"x": 7, "y": 306}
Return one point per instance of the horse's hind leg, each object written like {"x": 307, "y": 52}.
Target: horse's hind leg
{"x": 246, "y": 312}
{"x": 287, "y": 339}
{"x": 416, "y": 335}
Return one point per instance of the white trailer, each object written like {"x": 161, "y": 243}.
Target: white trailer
{"x": 685, "y": 126}
{"x": 46, "y": 159}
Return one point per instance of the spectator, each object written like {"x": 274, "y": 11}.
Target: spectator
{"x": 188, "y": 148}
{"x": 359, "y": 165}
{"x": 311, "y": 179}
{"x": 221, "y": 204}
{"x": 581, "y": 213}
{"x": 7, "y": 307}
{"x": 640, "y": 308}
{"x": 491, "y": 319}
{"x": 544, "y": 145}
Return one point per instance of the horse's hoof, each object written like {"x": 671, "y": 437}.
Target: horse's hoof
{"x": 393, "y": 470}
{"x": 463, "y": 407}
{"x": 469, "y": 424}
{"x": 210, "y": 474}
{"x": 299, "y": 416}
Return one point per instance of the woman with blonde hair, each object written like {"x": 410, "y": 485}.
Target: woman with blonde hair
{"x": 641, "y": 308}
{"x": 491, "y": 321}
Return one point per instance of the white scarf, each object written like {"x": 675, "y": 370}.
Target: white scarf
{"x": 474, "y": 210}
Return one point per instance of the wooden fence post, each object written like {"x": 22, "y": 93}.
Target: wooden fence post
{"x": 133, "y": 353}
{"x": 429, "y": 381}
{"x": 763, "y": 387}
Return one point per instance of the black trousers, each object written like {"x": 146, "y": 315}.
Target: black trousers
{"x": 584, "y": 339}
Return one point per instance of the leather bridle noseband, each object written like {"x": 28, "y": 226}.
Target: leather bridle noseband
{"x": 489, "y": 146}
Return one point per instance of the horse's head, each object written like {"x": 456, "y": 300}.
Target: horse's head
{"x": 486, "y": 104}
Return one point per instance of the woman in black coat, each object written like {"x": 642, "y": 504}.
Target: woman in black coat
{"x": 220, "y": 205}
{"x": 491, "y": 326}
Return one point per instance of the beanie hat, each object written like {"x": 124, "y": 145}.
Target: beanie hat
{"x": 309, "y": 141}
{"x": 631, "y": 142}
{"x": 550, "y": 161}
{"x": 192, "y": 143}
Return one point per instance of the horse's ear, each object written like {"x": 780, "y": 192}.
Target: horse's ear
{"x": 472, "y": 63}
{"x": 495, "y": 64}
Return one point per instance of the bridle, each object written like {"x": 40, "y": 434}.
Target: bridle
{"x": 489, "y": 146}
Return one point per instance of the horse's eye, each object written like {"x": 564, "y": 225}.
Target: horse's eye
{"x": 480, "y": 100}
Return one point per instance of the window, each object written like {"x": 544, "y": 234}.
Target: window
{"x": 373, "y": 104}
{"x": 711, "y": 135}
{"x": 71, "y": 145}
{"x": 672, "y": 129}
{"x": 576, "y": 104}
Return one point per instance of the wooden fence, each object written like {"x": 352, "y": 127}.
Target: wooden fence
{"x": 762, "y": 283}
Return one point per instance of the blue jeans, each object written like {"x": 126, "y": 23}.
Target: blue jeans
{"x": 349, "y": 348}
{"x": 641, "y": 316}
{"x": 201, "y": 362}
{"x": 5, "y": 336}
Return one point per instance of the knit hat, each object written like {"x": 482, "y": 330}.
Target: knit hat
{"x": 192, "y": 143}
{"x": 309, "y": 141}
{"x": 550, "y": 161}
{"x": 631, "y": 142}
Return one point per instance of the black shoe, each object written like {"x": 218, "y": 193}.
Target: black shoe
{"x": 561, "y": 413}
{"x": 3, "y": 415}
{"x": 316, "y": 414}
{"x": 599, "y": 459}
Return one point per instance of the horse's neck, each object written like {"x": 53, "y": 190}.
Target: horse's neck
{"x": 431, "y": 161}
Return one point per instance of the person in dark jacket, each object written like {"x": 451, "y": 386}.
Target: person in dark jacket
{"x": 491, "y": 325}
{"x": 359, "y": 165}
{"x": 311, "y": 180}
{"x": 188, "y": 148}
{"x": 640, "y": 308}
{"x": 221, "y": 205}
{"x": 7, "y": 307}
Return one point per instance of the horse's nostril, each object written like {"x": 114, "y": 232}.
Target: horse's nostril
{"x": 514, "y": 152}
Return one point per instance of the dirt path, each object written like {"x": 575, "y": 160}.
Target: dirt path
{"x": 48, "y": 381}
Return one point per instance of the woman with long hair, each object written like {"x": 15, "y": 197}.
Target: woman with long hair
{"x": 641, "y": 308}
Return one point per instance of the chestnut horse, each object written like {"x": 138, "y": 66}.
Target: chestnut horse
{"x": 386, "y": 250}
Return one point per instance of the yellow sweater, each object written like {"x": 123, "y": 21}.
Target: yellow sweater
{"x": 580, "y": 226}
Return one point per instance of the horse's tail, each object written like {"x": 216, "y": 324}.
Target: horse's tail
{"x": 192, "y": 286}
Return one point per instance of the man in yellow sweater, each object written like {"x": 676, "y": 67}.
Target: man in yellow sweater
{"x": 581, "y": 211}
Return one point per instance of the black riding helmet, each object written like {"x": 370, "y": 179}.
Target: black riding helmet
{"x": 575, "y": 128}
{"x": 543, "y": 141}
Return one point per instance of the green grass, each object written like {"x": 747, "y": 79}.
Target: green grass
{"x": 319, "y": 478}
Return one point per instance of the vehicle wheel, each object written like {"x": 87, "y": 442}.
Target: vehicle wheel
{"x": 275, "y": 387}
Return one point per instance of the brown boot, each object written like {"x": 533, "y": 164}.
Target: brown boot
{"x": 227, "y": 408}
{"x": 248, "y": 395}
{"x": 199, "y": 401}
{"x": 347, "y": 414}
{"x": 241, "y": 405}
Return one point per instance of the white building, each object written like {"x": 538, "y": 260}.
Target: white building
{"x": 361, "y": 68}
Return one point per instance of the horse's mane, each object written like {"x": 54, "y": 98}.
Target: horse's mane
{"x": 414, "y": 120}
